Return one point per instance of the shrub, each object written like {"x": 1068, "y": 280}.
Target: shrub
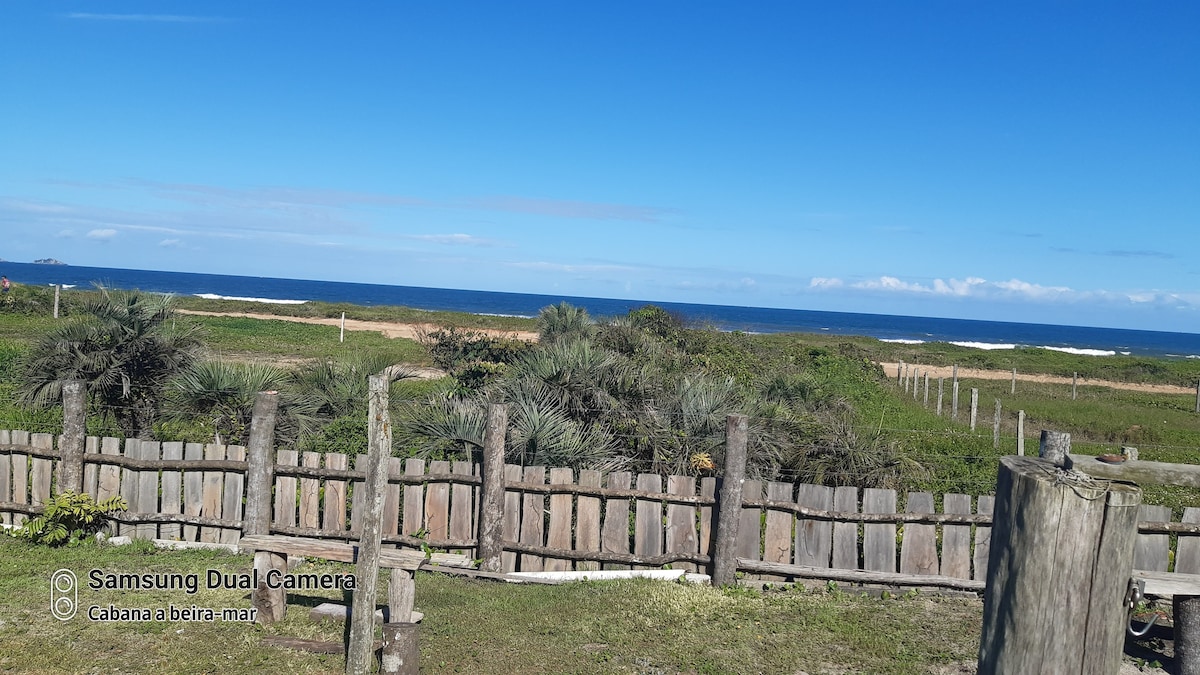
{"x": 69, "y": 519}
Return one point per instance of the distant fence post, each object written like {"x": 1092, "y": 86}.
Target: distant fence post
{"x": 57, "y": 291}
{"x": 1198, "y": 396}
{"x": 1059, "y": 567}
{"x": 954, "y": 396}
{"x": 941, "y": 383}
{"x": 729, "y": 507}
{"x": 1074, "y": 385}
{"x": 974, "y": 407}
{"x": 1021, "y": 432}
{"x": 926, "y": 403}
{"x": 260, "y": 469}
{"x": 70, "y": 472}
{"x": 491, "y": 512}
{"x": 996, "y": 427}
{"x": 899, "y": 371}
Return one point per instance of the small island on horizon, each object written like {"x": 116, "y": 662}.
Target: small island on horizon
{"x": 48, "y": 261}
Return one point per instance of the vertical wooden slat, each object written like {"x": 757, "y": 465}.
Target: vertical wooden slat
{"x": 437, "y": 502}
{"x": 285, "y": 489}
{"x": 414, "y": 497}
{"x": 984, "y": 506}
{"x": 956, "y": 539}
{"x": 391, "y": 499}
{"x": 708, "y": 488}
{"x": 749, "y": 540}
{"x": 1187, "y": 554}
{"x": 358, "y": 493}
{"x": 19, "y": 462}
{"x": 172, "y": 491}
{"x": 879, "y": 539}
{"x": 814, "y": 538}
{"x": 91, "y": 471}
{"x": 559, "y": 533}
{"x": 211, "y": 502}
{"x": 5, "y": 476}
{"x": 231, "y": 500}
{"x": 681, "y": 521}
{"x": 533, "y": 523}
{"x": 129, "y": 486}
{"x": 615, "y": 536}
{"x": 193, "y": 488}
{"x": 918, "y": 550}
{"x": 777, "y": 535}
{"x": 1152, "y": 550}
{"x": 845, "y": 535}
{"x": 512, "y": 515}
{"x": 40, "y": 470}
{"x": 462, "y": 507}
{"x": 587, "y": 529}
{"x": 148, "y": 490}
{"x": 310, "y": 493}
{"x": 648, "y": 530}
{"x": 333, "y": 516}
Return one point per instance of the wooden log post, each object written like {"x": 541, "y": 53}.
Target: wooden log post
{"x": 70, "y": 476}
{"x": 1185, "y": 612}
{"x": 1054, "y": 447}
{"x": 1198, "y": 396}
{"x": 899, "y": 371}
{"x": 996, "y": 427}
{"x": 954, "y": 399}
{"x": 724, "y": 572}
{"x": 974, "y": 407}
{"x": 941, "y": 385}
{"x": 57, "y": 293}
{"x": 271, "y": 603}
{"x": 1060, "y": 562}
{"x": 926, "y": 401}
{"x": 491, "y": 512}
{"x": 1074, "y": 385}
{"x": 1013, "y": 390}
{"x": 359, "y": 652}
{"x": 1021, "y": 433}
{"x": 401, "y": 649}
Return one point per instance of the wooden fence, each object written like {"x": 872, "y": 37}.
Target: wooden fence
{"x": 554, "y": 518}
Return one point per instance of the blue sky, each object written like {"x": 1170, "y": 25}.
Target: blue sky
{"x": 1011, "y": 161}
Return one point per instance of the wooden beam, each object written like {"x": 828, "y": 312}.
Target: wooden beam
{"x": 1142, "y": 473}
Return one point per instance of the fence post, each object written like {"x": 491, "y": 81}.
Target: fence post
{"x": 730, "y": 504}
{"x": 1059, "y": 567}
{"x": 1054, "y": 447}
{"x": 941, "y": 383}
{"x": 899, "y": 371}
{"x": 926, "y": 403}
{"x": 1021, "y": 432}
{"x": 954, "y": 400}
{"x": 1014, "y": 382}
{"x": 1074, "y": 384}
{"x": 996, "y": 427}
{"x": 271, "y": 603}
{"x": 70, "y": 472}
{"x": 491, "y": 512}
{"x": 57, "y": 291}
{"x": 360, "y": 652}
{"x": 974, "y": 407}
{"x": 1198, "y": 396}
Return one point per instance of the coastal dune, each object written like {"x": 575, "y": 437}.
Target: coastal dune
{"x": 892, "y": 371}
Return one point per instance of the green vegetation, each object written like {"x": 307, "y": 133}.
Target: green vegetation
{"x": 70, "y": 519}
{"x": 476, "y": 626}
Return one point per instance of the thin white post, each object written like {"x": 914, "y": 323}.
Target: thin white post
{"x": 342, "y": 337}
{"x": 1020, "y": 432}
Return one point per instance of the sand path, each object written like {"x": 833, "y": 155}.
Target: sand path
{"x": 411, "y": 331}
{"x": 976, "y": 374}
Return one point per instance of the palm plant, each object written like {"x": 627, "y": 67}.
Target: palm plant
{"x": 563, "y": 321}
{"x": 224, "y": 392}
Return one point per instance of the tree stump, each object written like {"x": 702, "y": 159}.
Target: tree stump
{"x": 1061, "y": 559}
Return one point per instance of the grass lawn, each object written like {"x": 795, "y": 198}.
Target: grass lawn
{"x": 482, "y": 627}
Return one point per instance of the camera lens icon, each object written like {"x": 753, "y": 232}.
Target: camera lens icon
{"x": 64, "y": 594}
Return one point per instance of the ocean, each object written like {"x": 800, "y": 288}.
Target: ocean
{"x": 911, "y": 329}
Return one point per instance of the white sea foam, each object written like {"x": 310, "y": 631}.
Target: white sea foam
{"x": 269, "y": 301}
{"x": 1126, "y": 353}
{"x": 1084, "y": 352}
{"x": 508, "y": 316}
{"x": 984, "y": 345}
{"x": 902, "y": 341}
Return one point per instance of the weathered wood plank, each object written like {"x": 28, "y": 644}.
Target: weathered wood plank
{"x": 1140, "y": 472}
{"x": 285, "y": 490}
{"x": 533, "y": 523}
{"x": 193, "y": 487}
{"x": 648, "y": 527}
{"x": 587, "y": 518}
{"x": 681, "y": 521}
{"x": 1187, "y": 555}
{"x": 437, "y": 502}
{"x": 391, "y": 499}
{"x": 918, "y": 549}
{"x": 956, "y": 539}
{"x": 708, "y": 488}
{"x": 559, "y": 533}
{"x": 879, "y": 539}
{"x": 40, "y": 470}
{"x": 211, "y": 502}
{"x": 129, "y": 486}
{"x": 358, "y": 490}
{"x": 5, "y": 476}
{"x": 856, "y": 576}
{"x": 347, "y": 552}
{"x": 333, "y": 516}
{"x": 172, "y": 490}
{"x": 148, "y": 490}
{"x": 983, "y": 537}
{"x": 1152, "y": 551}
{"x": 814, "y": 538}
{"x": 512, "y": 516}
{"x": 414, "y": 498}
{"x": 749, "y": 539}
{"x": 615, "y": 536}
{"x": 462, "y": 508}
{"x": 235, "y": 488}
{"x": 310, "y": 493}
{"x": 91, "y": 472}
{"x": 845, "y": 535}
{"x": 777, "y": 536}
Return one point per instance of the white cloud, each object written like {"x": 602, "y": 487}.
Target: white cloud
{"x": 826, "y": 282}
{"x": 64, "y": 234}
{"x": 886, "y": 283}
{"x": 455, "y": 239}
{"x": 103, "y": 234}
{"x": 170, "y": 243}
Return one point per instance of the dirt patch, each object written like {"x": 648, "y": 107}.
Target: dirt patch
{"x": 891, "y": 369}
{"x": 411, "y": 331}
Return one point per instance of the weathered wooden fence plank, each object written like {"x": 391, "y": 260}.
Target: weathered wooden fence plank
{"x": 20, "y": 475}
{"x": 148, "y": 490}
{"x": 814, "y": 538}
{"x": 984, "y": 505}
{"x": 193, "y": 487}
{"x": 129, "y": 491}
{"x": 918, "y": 550}
{"x": 559, "y": 533}
{"x": 41, "y": 470}
{"x": 648, "y": 527}
{"x": 333, "y": 515}
{"x": 777, "y": 536}
{"x": 235, "y": 488}
{"x": 512, "y": 516}
{"x": 310, "y": 493}
{"x": 681, "y": 521}
{"x": 358, "y": 493}
{"x": 956, "y": 539}
{"x": 1187, "y": 554}
{"x": 5, "y": 477}
{"x": 708, "y": 488}
{"x": 391, "y": 499}
{"x": 533, "y": 519}
{"x": 879, "y": 539}
{"x": 172, "y": 490}
{"x": 1151, "y": 551}
{"x": 285, "y": 490}
{"x": 214, "y": 484}
{"x": 462, "y": 508}
{"x": 615, "y": 536}
{"x": 437, "y": 502}
{"x": 845, "y": 535}
{"x": 587, "y": 520}
{"x": 414, "y": 498}
{"x": 91, "y": 471}
{"x": 749, "y": 542}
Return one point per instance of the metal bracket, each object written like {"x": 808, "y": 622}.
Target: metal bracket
{"x": 1133, "y": 597}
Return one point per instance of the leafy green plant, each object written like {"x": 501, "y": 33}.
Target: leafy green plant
{"x": 70, "y": 518}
